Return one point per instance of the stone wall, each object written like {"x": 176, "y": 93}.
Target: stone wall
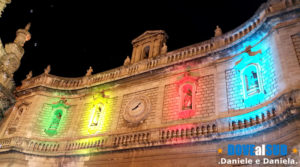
{"x": 151, "y": 84}
{"x": 205, "y": 96}
{"x": 182, "y": 91}
{"x": 171, "y": 103}
{"x": 234, "y": 89}
{"x": 296, "y": 42}
{"x": 123, "y": 125}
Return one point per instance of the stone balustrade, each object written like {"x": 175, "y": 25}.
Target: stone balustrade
{"x": 284, "y": 104}
{"x": 284, "y": 108}
{"x": 119, "y": 142}
{"x": 132, "y": 139}
{"x": 182, "y": 132}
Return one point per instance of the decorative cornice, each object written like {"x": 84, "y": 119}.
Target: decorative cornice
{"x": 214, "y": 46}
{"x": 147, "y": 34}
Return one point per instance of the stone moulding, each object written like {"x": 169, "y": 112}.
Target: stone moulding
{"x": 205, "y": 48}
{"x": 285, "y": 108}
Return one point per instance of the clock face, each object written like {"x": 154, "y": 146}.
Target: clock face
{"x": 137, "y": 109}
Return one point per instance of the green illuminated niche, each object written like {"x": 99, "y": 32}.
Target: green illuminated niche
{"x": 58, "y": 112}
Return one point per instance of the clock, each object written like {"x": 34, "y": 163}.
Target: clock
{"x": 137, "y": 109}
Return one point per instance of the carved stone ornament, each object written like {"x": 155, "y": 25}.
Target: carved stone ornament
{"x": 127, "y": 61}
{"x": 164, "y": 48}
{"x": 29, "y": 75}
{"x": 23, "y": 35}
{"x": 47, "y": 70}
{"x": 137, "y": 109}
{"x": 218, "y": 31}
{"x": 89, "y": 71}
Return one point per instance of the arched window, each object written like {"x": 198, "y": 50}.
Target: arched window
{"x": 146, "y": 52}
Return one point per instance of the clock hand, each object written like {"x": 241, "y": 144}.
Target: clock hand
{"x": 136, "y": 106}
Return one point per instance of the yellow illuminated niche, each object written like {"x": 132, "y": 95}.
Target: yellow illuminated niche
{"x": 95, "y": 119}
{"x": 97, "y": 113}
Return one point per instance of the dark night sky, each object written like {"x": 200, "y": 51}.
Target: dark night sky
{"x": 73, "y": 35}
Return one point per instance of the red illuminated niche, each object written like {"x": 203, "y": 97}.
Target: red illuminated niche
{"x": 186, "y": 88}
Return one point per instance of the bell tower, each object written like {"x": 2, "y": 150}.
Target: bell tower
{"x": 149, "y": 44}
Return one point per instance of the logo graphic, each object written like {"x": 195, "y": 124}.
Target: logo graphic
{"x": 264, "y": 154}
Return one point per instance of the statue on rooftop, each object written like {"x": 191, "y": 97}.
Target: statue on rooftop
{"x": 89, "y": 71}
{"x": 47, "y": 70}
{"x": 164, "y": 48}
{"x": 218, "y": 31}
{"x": 127, "y": 61}
{"x": 29, "y": 75}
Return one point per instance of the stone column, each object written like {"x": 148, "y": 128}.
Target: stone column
{"x": 151, "y": 49}
{"x": 133, "y": 55}
{"x": 156, "y": 48}
{"x": 138, "y": 52}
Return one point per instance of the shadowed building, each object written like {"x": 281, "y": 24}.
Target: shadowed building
{"x": 165, "y": 108}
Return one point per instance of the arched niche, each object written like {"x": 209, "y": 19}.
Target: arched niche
{"x": 58, "y": 113}
{"x": 252, "y": 84}
{"x": 19, "y": 110}
{"x": 96, "y": 115}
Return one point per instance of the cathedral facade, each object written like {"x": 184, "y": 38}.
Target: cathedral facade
{"x": 164, "y": 108}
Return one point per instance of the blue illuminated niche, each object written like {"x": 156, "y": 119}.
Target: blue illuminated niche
{"x": 252, "y": 85}
{"x": 250, "y": 89}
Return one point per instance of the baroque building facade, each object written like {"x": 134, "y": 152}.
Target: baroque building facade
{"x": 165, "y": 108}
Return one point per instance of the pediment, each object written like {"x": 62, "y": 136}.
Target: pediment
{"x": 148, "y": 34}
